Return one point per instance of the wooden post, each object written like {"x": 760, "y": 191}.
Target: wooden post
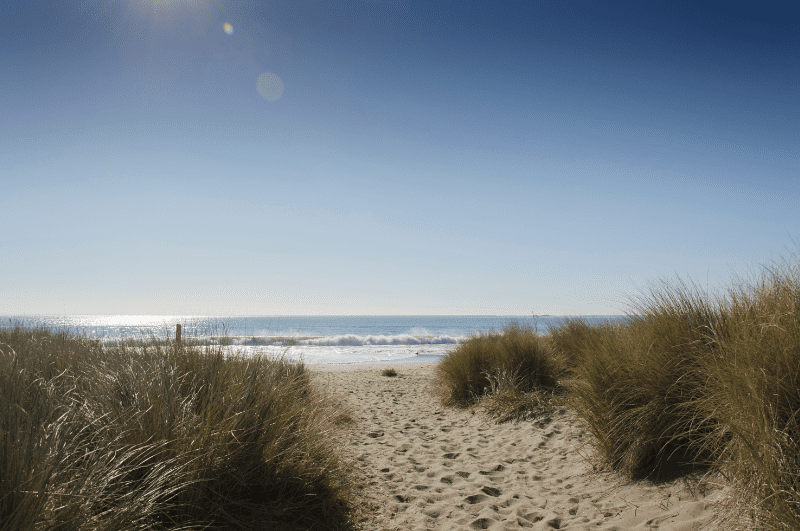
{"x": 177, "y": 335}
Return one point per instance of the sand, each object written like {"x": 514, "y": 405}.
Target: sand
{"x": 424, "y": 466}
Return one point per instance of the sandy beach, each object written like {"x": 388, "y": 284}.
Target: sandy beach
{"x": 429, "y": 467}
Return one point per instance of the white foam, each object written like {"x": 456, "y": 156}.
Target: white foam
{"x": 403, "y": 339}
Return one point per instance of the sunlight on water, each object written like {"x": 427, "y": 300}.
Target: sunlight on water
{"x": 132, "y": 320}
{"x": 270, "y": 86}
{"x": 314, "y": 339}
{"x": 227, "y": 28}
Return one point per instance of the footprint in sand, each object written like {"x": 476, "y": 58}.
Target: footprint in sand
{"x": 491, "y": 491}
{"x": 481, "y": 523}
{"x": 476, "y": 498}
{"x": 433, "y": 513}
{"x": 493, "y": 472}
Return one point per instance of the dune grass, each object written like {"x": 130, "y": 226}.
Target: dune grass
{"x": 508, "y": 398}
{"x": 690, "y": 381}
{"x": 754, "y": 386}
{"x": 697, "y": 380}
{"x": 157, "y": 437}
{"x": 640, "y": 386}
{"x": 513, "y": 371}
{"x": 390, "y": 372}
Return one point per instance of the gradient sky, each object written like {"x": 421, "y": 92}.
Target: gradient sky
{"x": 210, "y": 157}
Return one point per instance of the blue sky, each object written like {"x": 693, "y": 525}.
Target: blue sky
{"x": 434, "y": 157}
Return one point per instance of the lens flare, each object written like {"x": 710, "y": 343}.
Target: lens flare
{"x": 270, "y": 86}
{"x": 227, "y": 28}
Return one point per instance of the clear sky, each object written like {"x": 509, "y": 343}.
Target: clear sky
{"x": 390, "y": 157}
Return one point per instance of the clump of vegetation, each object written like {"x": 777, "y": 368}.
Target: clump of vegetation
{"x": 688, "y": 381}
{"x": 698, "y": 380}
{"x": 516, "y": 361}
{"x": 160, "y": 436}
{"x": 572, "y": 336}
{"x": 754, "y": 393}
{"x": 389, "y": 372}
{"x": 509, "y": 399}
{"x": 640, "y": 386}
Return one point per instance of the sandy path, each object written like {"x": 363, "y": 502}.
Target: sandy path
{"x": 429, "y": 467}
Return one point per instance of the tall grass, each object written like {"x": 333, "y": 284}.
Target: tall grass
{"x": 755, "y": 395}
{"x": 693, "y": 379}
{"x": 516, "y": 361}
{"x": 572, "y": 336}
{"x": 640, "y": 386}
{"x": 150, "y": 436}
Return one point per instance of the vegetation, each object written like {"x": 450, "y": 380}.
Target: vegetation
{"x": 509, "y": 399}
{"x": 700, "y": 380}
{"x": 158, "y": 436}
{"x": 515, "y": 370}
{"x": 641, "y": 386}
{"x": 689, "y": 381}
{"x": 389, "y": 372}
{"x": 153, "y": 435}
{"x": 754, "y": 394}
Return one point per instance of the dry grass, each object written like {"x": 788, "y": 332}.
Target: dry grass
{"x": 690, "y": 381}
{"x": 640, "y": 386}
{"x": 509, "y": 399}
{"x": 754, "y": 384}
{"x": 699, "y": 380}
{"x": 389, "y": 372}
{"x": 511, "y": 371}
{"x": 148, "y": 436}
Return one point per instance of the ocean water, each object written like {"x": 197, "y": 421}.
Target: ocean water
{"x": 314, "y": 339}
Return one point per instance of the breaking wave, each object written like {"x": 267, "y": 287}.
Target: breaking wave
{"x": 352, "y": 340}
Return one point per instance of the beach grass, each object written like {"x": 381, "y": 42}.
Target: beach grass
{"x": 754, "y": 384}
{"x": 694, "y": 380}
{"x": 641, "y": 386}
{"x": 154, "y": 435}
{"x": 689, "y": 382}
{"x": 502, "y": 365}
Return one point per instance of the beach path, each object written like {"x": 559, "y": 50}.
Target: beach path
{"x": 424, "y": 466}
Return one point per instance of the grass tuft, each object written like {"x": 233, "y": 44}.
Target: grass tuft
{"x": 640, "y": 386}
{"x": 389, "y": 372}
{"x": 517, "y": 359}
{"x": 509, "y": 399}
{"x": 694, "y": 380}
{"x": 754, "y": 386}
{"x": 149, "y": 436}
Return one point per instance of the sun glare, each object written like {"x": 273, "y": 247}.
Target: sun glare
{"x": 270, "y": 86}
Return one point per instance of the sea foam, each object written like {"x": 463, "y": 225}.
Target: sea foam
{"x": 352, "y": 340}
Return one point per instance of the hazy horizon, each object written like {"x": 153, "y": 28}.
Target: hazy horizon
{"x": 529, "y": 316}
{"x": 366, "y": 157}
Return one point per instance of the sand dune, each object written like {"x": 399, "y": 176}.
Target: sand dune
{"x": 429, "y": 467}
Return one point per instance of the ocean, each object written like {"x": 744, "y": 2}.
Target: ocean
{"x": 313, "y": 339}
